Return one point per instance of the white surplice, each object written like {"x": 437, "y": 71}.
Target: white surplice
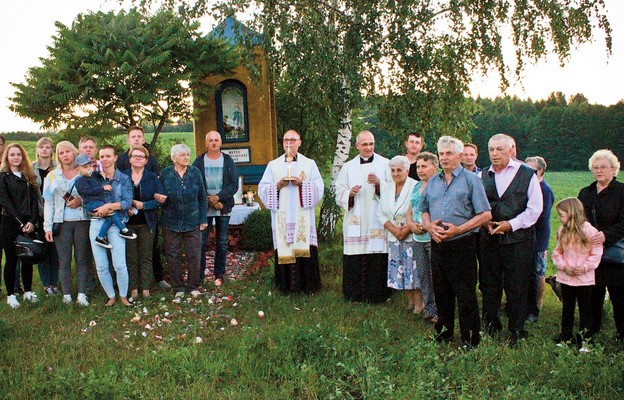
{"x": 292, "y": 208}
{"x": 362, "y": 233}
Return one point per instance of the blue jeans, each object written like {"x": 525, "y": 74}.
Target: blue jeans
{"x": 222, "y": 224}
{"x": 49, "y": 267}
{"x": 100, "y": 256}
{"x": 108, "y": 221}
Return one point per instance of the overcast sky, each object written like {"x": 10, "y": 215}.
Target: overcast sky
{"x": 26, "y": 28}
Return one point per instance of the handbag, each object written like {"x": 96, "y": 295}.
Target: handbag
{"x": 30, "y": 249}
{"x": 614, "y": 254}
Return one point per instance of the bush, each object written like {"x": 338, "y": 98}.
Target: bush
{"x": 257, "y": 235}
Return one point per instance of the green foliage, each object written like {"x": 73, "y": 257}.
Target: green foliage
{"x": 565, "y": 133}
{"x": 109, "y": 71}
{"x": 326, "y": 55}
{"x": 257, "y": 234}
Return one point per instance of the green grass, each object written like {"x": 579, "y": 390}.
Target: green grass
{"x": 317, "y": 347}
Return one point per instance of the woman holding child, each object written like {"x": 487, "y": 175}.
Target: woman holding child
{"x": 121, "y": 201}
{"x": 66, "y": 224}
{"x": 146, "y": 198}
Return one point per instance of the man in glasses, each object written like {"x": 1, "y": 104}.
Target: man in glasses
{"x": 291, "y": 187}
{"x": 136, "y": 137}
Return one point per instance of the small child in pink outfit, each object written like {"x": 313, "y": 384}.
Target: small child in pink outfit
{"x": 576, "y": 259}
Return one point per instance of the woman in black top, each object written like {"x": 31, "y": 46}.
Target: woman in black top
{"x": 19, "y": 197}
{"x": 604, "y": 207}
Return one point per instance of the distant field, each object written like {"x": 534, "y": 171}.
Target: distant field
{"x": 166, "y": 139}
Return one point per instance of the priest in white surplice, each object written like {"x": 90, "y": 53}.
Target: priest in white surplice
{"x": 365, "y": 255}
{"x": 291, "y": 187}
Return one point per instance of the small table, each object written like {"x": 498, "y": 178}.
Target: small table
{"x": 240, "y": 212}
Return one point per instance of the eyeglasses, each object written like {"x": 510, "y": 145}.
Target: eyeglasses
{"x": 139, "y": 156}
{"x": 601, "y": 167}
{"x": 290, "y": 139}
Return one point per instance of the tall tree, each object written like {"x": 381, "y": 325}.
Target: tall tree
{"x": 328, "y": 53}
{"x": 116, "y": 70}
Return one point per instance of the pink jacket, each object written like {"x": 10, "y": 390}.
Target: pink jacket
{"x": 589, "y": 259}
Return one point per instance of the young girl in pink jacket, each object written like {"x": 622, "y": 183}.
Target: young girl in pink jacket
{"x": 576, "y": 259}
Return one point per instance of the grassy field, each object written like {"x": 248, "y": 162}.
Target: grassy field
{"x": 317, "y": 347}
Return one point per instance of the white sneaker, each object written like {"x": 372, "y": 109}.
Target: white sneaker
{"x": 67, "y": 298}
{"x": 12, "y": 301}
{"x": 178, "y": 297}
{"x": 31, "y": 296}
{"x": 82, "y": 300}
{"x": 163, "y": 284}
{"x": 195, "y": 294}
{"x": 584, "y": 349}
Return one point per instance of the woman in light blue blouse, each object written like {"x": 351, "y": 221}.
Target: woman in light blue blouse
{"x": 427, "y": 166}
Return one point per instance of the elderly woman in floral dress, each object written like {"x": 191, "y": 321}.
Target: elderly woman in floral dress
{"x": 393, "y": 205}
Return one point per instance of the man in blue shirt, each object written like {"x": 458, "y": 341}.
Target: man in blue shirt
{"x": 454, "y": 206}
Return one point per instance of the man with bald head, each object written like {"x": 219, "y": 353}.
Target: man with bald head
{"x": 514, "y": 193}
{"x": 291, "y": 187}
{"x": 221, "y": 180}
{"x": 365, "y": 255}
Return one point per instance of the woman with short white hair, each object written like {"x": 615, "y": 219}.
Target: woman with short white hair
{"x": 393, "y": 205}
{"x": 183, "y": 216}
{"x": 603, "y": 201}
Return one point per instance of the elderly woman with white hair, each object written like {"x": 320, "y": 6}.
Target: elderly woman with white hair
{"x": 183, "y": 217}
{"x": 603, "y": 201}
{"x": 393, "y": 205}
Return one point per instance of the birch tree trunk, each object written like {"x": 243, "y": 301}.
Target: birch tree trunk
{"x": 330, "y": 211}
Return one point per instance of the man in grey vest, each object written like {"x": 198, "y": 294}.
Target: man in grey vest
{"x": 515, "y": 196}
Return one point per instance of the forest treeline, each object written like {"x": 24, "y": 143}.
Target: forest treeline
{"x": 564, "y": 132}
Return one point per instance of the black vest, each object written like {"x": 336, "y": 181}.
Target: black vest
{"x": 513, "y": 202}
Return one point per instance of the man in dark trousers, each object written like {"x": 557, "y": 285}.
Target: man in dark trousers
{"x": 136, "y": 137}
{"x": 221, "y": 179}
{"x": 515, "y": 196}
{"x": 454, "y": 206}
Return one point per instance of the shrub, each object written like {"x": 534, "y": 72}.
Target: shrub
{"x": 257, "y": 235}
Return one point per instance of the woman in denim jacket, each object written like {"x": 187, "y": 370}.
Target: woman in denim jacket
{"x": 184, "y": 216}
{"x": 121, "y": 198}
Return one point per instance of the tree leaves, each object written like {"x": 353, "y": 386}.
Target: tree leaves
{"x": 124, "y": 68}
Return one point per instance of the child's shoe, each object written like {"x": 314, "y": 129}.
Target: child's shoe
{"x": 127, "y": 234}
{"x": 103, "y": 242}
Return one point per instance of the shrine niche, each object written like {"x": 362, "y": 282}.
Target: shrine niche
{"x": 243, "y": 110}
{"x": 232, "y": 116}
